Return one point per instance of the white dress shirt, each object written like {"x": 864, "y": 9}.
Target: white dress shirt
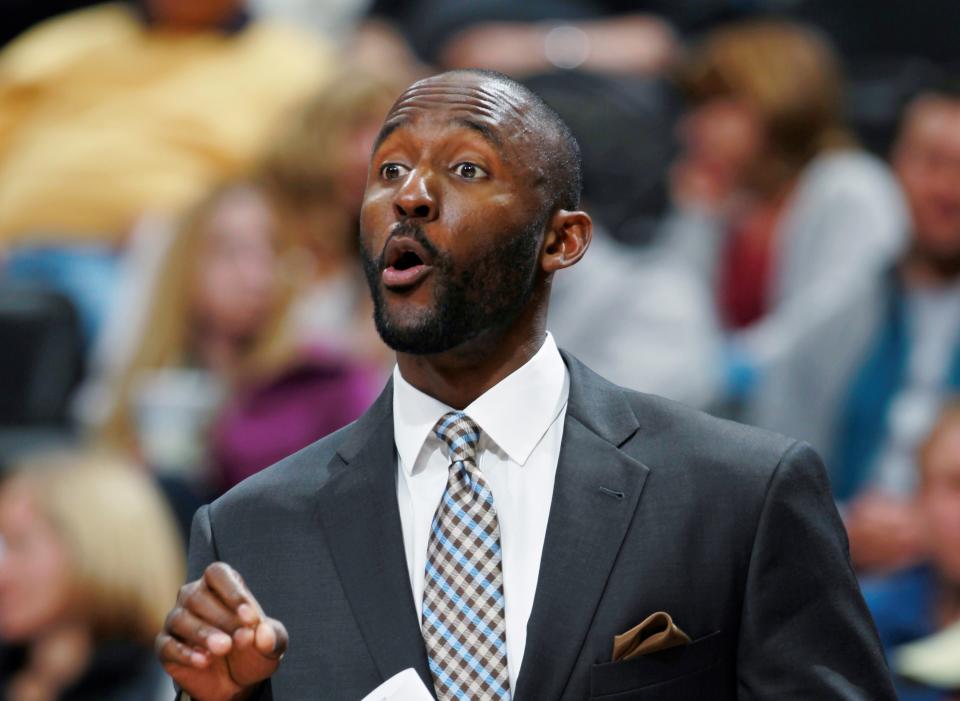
{"x": 521, "y": 422}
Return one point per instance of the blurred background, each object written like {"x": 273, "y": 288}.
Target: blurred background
{"x": 776, "y": 188}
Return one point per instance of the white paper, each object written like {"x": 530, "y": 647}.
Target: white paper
{"x": 404, "y": 686}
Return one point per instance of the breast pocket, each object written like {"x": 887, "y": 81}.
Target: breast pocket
{"x": 676, "y": 673}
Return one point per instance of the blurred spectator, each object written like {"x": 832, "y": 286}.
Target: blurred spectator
{"x": 866, "y": 384}
{"x": 214, "y": 313}
{"x": 90, "y": 563}
{"x": 114, "y": 110}
{"x": 917, "y": 602}
{"x": 539, "y": 36}
{"x": 19, "y": 15}
{"x": 774, "y": 204}
{"x": 889, "y": 54}
{"x": 315, "y": 173}
{"x": 216, "y": 342}
{"x": 335, "y": 20}
{"x": 640, "y": 321}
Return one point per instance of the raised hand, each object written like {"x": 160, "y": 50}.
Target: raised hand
{"x": 216, "y": 643}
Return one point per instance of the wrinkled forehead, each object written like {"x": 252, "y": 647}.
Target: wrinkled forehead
{"x": 473, "y": 101}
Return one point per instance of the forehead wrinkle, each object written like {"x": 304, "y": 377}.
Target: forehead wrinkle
{"x": 489, "y": 94}
{"x": 426, "y": 105}
{"x": 447, "y": 90}
{"x": 446, "y": 97}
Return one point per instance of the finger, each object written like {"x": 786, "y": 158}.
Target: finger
{"x": 227, "y": 584}
{"x": 243, "y": 639}
{"x": 171, "y": 651}
{"x": 271, "y": 639}
{"x": 257, "y": 652}
{"x": 194, "y": 631}
{"x": 207, "y": 606}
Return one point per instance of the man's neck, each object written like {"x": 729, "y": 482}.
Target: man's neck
{"x": 458, "y": 376}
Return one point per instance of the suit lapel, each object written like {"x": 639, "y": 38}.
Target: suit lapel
{"x": 595, "y": 496}
{"x": 361, "y": 522}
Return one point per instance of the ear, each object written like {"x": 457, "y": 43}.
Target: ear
{"x": 566, "y": 240}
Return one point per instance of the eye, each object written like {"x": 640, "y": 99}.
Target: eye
{"x": 393, "y": 171}
{"x": 469, "y": 171}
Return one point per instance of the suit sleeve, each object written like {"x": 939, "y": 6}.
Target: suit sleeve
{"x": 202, "y": 552}
{"x": 805, "y": 632}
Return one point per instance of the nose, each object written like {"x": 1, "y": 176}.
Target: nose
{"x": 415, "y": 199}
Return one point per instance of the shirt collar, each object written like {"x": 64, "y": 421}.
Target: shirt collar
{"x": 515, "y": 413}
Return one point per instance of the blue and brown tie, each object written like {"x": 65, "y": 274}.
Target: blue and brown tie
{"x": 463, "y": 613}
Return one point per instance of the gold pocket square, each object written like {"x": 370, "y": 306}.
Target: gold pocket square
{"x": 656, "y": 632}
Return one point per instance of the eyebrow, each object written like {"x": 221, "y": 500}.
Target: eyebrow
{"x": 387, "y": 129}
{"x": 483, "y": 129}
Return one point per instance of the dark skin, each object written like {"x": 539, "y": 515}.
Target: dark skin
{"x": 458, "y": 157}
{"x": 465, "y": 187}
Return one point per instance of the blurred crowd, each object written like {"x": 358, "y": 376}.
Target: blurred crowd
{"x": 775, "y": 186}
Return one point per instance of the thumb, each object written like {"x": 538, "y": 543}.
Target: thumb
{"x": 270, "y": 638}
{"x": 257, "y": 652}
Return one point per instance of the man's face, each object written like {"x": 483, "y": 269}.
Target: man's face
{"x": 452, "y": 219}
{"x": 927, "y": 162}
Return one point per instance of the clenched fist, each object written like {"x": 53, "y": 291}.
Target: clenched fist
{"x": 216, "y": 643}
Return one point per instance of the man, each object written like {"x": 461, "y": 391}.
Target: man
{"x": 867, "y": 398}
{"x": 502, "y": 566}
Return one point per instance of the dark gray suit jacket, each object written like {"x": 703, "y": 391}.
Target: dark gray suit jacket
{"x": 656, "y": 507}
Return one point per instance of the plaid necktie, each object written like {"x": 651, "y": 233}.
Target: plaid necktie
{"x": 463, "y": 615}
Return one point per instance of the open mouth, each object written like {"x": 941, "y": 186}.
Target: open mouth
{"x": 407, "y": 260}
{"x": 406, "y": 263}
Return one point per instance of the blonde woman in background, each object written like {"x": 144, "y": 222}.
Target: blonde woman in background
{"x": 774, "y": 203}
{"x": 214, "y": 319}
{"x": 90, "y": 562}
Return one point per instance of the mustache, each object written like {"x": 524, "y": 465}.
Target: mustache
{"x": 410, "y": 230}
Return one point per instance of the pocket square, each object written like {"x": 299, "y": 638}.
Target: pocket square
{"x": 656, "y": 632}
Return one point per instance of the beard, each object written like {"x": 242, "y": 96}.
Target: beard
{"x": 467, "y": 302}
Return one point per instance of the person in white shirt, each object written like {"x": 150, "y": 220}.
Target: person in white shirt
{"x": 867, "y": 398}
